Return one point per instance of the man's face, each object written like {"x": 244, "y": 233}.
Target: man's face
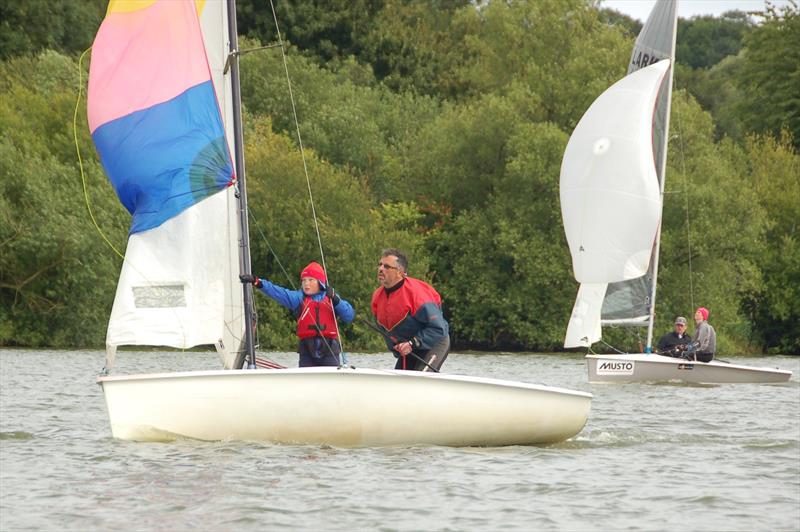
{"x": 389, "y": 271}
{"x": 680, "y": 328}
{"x": 698, "y": 317}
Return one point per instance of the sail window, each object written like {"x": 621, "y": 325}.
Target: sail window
{"x": 159, "y": 296}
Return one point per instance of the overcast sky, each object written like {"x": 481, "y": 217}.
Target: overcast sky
{"x": 639, "y": 9}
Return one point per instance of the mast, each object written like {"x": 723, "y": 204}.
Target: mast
{"x": 238, "y": 143}
{"x": 662, "y": 171}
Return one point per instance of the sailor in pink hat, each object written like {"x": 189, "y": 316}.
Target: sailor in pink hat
{"x": 705, "y": 338}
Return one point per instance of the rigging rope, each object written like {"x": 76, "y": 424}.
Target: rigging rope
{"x": 80, "y": 159}
{"x": 305, "y": 170}
{"x": 610, "y": 346}
{"x": 274, "y": 254}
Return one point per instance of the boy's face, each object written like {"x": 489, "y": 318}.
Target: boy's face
{"x": 310, "y": 286}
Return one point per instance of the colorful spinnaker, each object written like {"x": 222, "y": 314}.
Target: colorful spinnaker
{"x": 153, "y": 113}
{"x": 161, "y": 116}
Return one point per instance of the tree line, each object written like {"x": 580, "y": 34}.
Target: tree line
{"x": 439, "y": 129}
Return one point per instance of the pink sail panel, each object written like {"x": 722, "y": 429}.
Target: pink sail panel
{"x": 143, "y": 57}
{"x": 153, "y": 112}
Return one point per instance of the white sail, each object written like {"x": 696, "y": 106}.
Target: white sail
{"x": 171, "y": 290}
{"x": 584, "y": 324}
{"x": 610, "y": 198}
{"x": 630, "y": 300}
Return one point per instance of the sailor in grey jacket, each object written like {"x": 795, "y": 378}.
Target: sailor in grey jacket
{"x": 705, "y": 338}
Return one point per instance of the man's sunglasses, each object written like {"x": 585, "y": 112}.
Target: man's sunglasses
{"x": 386, "y": 266}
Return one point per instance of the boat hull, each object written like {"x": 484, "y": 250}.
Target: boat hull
{"x": 341, "y": 407}
{"x": 642, "y": 367}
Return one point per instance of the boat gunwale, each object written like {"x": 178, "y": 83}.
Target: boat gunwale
{"x": 101, "y": 379}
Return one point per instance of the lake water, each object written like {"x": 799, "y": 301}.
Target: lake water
{"x": 651, "y": 457}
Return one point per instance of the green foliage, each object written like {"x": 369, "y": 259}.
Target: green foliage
{"x": 503, "y": 268}
{"x": 30, "y": 26}
{"x": 326, "y": 30}
{"x": 629, "y": 25}
{"x": 459, "y": 155}
{"x": 770, "y": 74}
{"x": 775, "y": 173}
{"x": 712, "y": 262}
{"x": 716, "y": 91}
{"x": 410, "y": 46}
{"x": 56, "y": 278}
{"x": 357, "y": 128}
{"x": 704, "y": 41}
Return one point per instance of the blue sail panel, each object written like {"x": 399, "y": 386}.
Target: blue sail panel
{"x": 164, "y": 159}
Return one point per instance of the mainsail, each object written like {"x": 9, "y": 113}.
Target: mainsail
{"x": 155, "y": 117}
{"x": 628, "y": 299}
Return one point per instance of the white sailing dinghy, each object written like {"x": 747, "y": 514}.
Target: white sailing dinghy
{"x": 612, "y": 187}
{"x": 164, "y": 114}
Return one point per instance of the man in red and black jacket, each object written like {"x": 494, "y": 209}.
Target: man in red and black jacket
{"x": 409, "y": 312}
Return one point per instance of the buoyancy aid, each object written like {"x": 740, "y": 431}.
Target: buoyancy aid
{"x": 392, "y": 307}
{"x": 316, "y": 318}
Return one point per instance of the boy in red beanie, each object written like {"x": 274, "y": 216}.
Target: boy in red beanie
{"x": 315, "y": 307}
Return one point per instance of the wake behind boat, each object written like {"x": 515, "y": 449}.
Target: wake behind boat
{"x": 165, "y": 116}
{"x": 649, "y": 367}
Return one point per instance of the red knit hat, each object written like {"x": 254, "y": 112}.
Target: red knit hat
{"x": 703, "y": 312}
{"x": 314, "y": 270}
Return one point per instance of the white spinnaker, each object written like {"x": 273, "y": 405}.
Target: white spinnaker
{"x": 584, "y": 324}
{"x": 179, "y": 286}
{"x": 610, "y": 197}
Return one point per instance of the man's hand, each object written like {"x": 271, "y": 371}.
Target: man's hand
{"x": 404, "y": 348}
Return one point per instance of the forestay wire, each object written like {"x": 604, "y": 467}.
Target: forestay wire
{"x": 305, "y": 165}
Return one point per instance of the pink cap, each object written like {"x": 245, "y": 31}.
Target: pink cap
{"x": 703, "y": 312}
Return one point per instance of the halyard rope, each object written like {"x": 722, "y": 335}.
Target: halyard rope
{"x": 305, "y": 168}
